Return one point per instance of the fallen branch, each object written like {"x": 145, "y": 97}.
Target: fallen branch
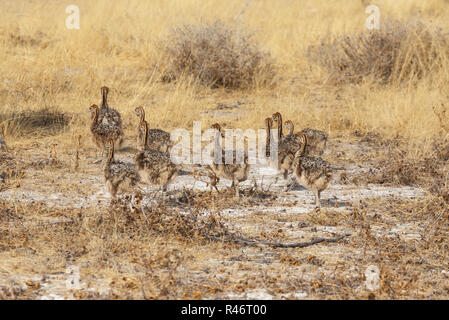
{"x": 232, "y": 237}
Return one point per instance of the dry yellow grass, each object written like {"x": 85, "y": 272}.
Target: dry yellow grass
{"x": 50, "y": 76}
{"x": 45, "y": 65}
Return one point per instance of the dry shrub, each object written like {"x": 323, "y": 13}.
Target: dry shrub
{"x": 397, "y": 52}
{"x": 428, "y": 171}
{"x": 185, "y": 215}
{"x": 217, "y": 55}
{"x": 174, "y": 216}
{"x": 404, "y": 170}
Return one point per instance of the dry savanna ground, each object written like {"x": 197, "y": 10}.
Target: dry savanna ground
{"x": 382, "y": 96}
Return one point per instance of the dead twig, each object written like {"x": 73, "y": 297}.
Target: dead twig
{"x": 227, "y": 236}
{"x": 213, "y": 179}
{"x": 77, "y": 157}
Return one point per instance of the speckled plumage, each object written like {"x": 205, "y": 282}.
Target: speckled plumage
{"x": 236, "y": 172}
{"x": 232, "y": 171}
{"x": 154, "y": 167}
{"x": 287, "y": 147}
{"x": 157, "y": 139}
{"x": 109, "y": 116}
{"x": 316, "y": 139}
{"x": 313, "y": 173}
{"x": 277, "y": 118}
{"x": 287, "y": 144}
{"x": 119, "y": 176}
{"x": 101, "y": 132}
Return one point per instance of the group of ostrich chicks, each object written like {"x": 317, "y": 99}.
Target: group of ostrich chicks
{"x": 298, "y": 153}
